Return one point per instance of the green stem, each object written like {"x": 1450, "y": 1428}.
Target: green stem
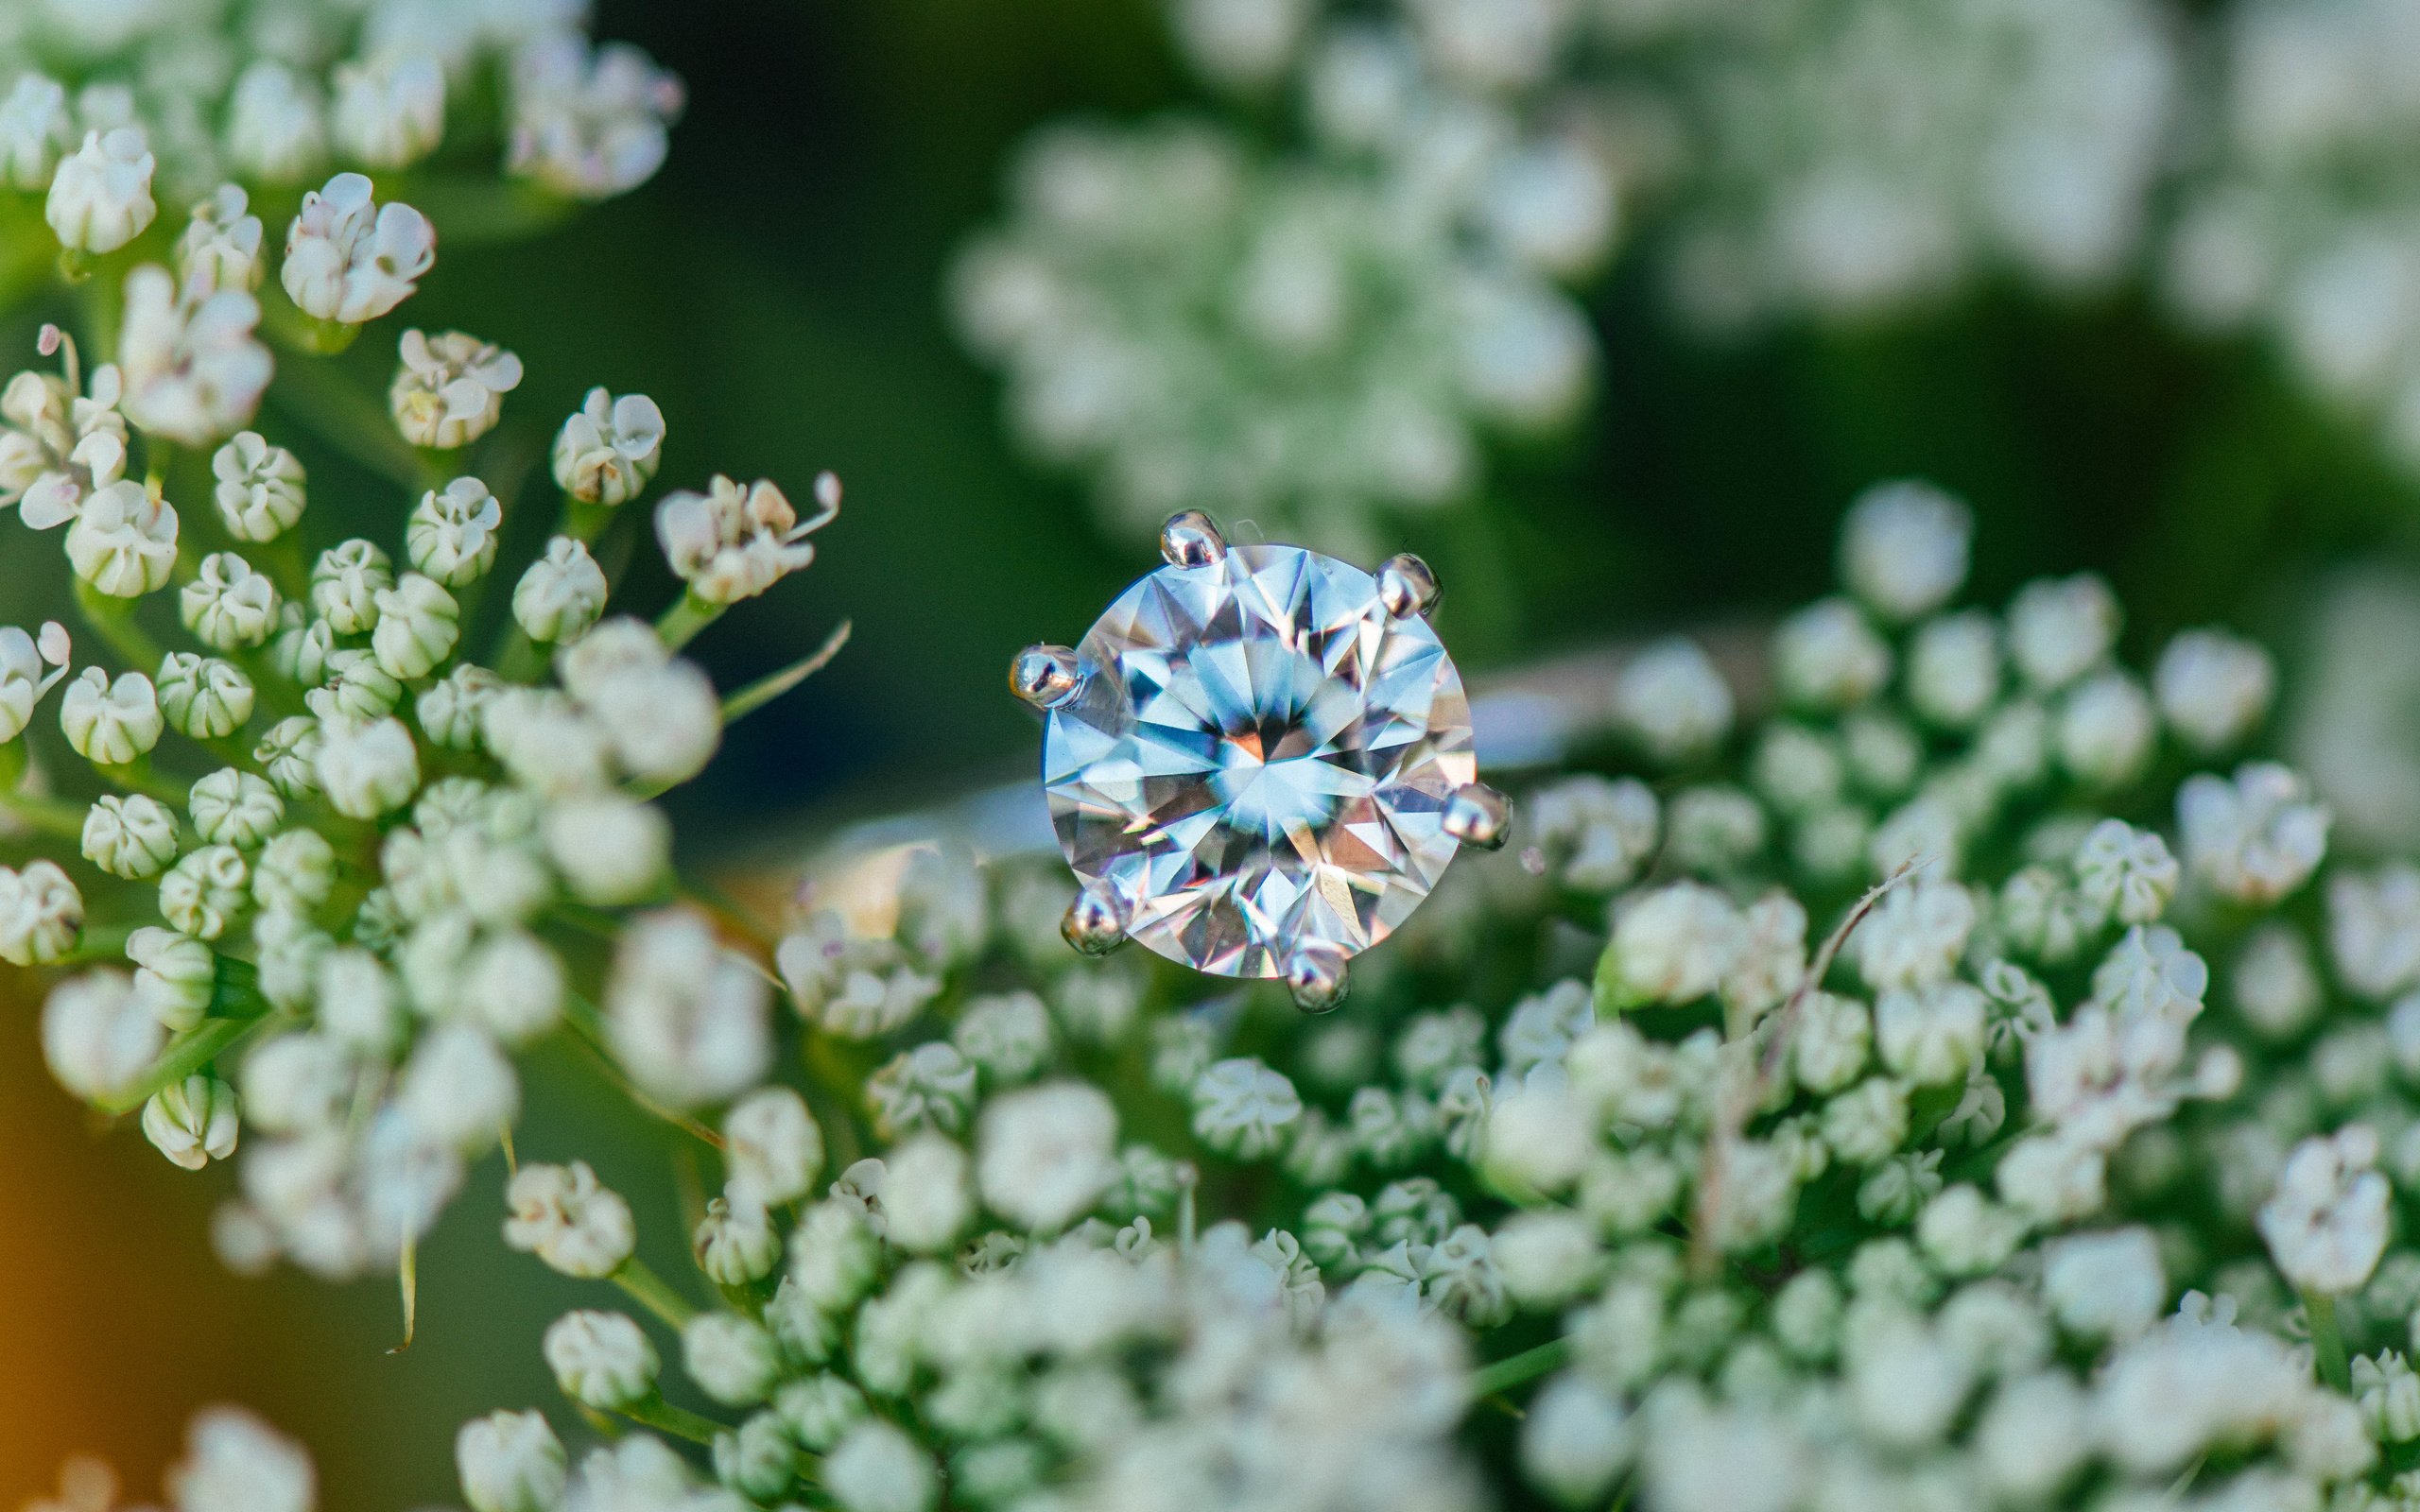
{"x": 198, "y": 1047}
{"x": 2328, "y": 1339}
{"x": 654, "y": 1293}
{"x": 138, "y": 776}
{"x": 679, "y": 1422}
{"x": 766, "y": 689}
{"x": 112, "y": 619}
{"x": 52, "y": 815}
{"x": 680, "y": 624}
{"x": 1513, "y": 1370}
{"x": 104, "y": 942}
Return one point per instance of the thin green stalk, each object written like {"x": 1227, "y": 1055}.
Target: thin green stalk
{"x": 766, "y": 689}
{"x": 680, "y": 624}
{"x": 52, "y": 815}
{"x": 2328, "y": 1340}
{"x": 198, "y": 1047}
{"x": 104, "y": 942}
{"x": 654, "y": 1293}
{"x": 140, "y": 776}
{"x": 112, "y": 619}
{"x": 679, "y": 1422}
{"x": 1513, "y": 1370}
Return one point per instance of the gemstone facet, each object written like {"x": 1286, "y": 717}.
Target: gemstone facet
{"x": 1259, "y": 756}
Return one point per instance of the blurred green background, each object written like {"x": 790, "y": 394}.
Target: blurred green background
{"x": 777, "y": 290}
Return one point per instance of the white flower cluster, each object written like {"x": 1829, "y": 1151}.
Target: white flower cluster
{"x": 1876, "y": 1164}
{"x": 1303, "y": 340}
{"x": 233, "y": 1463}
{"x": 109, "y": 110}
{"x": 2301, "y": 226}
{"x": 349, "y": 868}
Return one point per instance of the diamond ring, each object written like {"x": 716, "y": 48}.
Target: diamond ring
{"x": 1258, "y": 760}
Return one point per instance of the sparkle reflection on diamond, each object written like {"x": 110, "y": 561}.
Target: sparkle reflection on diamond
{"x": 1260, "y": 757}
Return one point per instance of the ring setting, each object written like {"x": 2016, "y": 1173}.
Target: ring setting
{"x": 1258, "y": 760}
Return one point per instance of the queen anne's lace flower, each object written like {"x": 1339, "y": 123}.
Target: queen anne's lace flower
{"x": 732, "y": 542}
{"x": 101, "y": 196}
{"x": 350, "y": 259}
{"x": 450, "y": 389}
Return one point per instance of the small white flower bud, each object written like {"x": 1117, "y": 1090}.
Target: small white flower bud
{"x": 289, "y": 755}
{"x": 1866, "y": 1124}
{"x": 1574, "y": 1440}
{"x": 221, "y": 245}
{"x": 111, "y": 723}
{"x": 2125, "y": 872}
{"x": 345, "y": 585}
{"x": 688, "y": 1020}
{"x": 36, "y": 131}
{"x": 296, "y": 1083}
{"x": 735, "y": 1243}
{"x": 1672, "y": 700}
{"x": 818, "y": 1410}
{"x": 601, "y": 1360}
{"x": 236, "y": 1463}
{"x": 1964, "y": 1234}
{"x": 1537, "y": 1141}
{"x": 2388, "y": 1392}
{"x": 357, "y": 1002}
{"x": 925, "y": 1201}
{"x": 1904, "y": 549}
{"x": 206, "y": 890}
{"x": 560, "y": 594}
{"x": 730, "y": 543}
{"x": 367, "y": 769}
{"x": 730, "y": 1357}
{"x": 2325, "y": 1224}
{"x": 1834, "y": 1036}
{"x": 562, "y": 1215}
{"x": 606, "y": 453}
{"x": 177, "y": 976}
{"x": 2255, "y": 838}
{"x": 133, "y": 837}
{"x": 356, "y": 688}
{"x": 2061, "y": 628}
{"x": 2214, "y": 688}
{"x": 835, "y": 1255}
{"x": 349, "y": 259}
{"x": 452, "y": 534}
{"x": 390, "y": 111}
{"x": 588, "y": 123}
{"x": 664, "y": 722}
{"x": 276, "y": 126}
{"x": 511, "y": 1462}
{"x": 101, "y": 194}
{"x": 228, "y": 606}
{"x": 2106, "y": 731}
{"x": 772, "y": 1147}
{"x": 98, "y": 1037}
{"x": 1672, "y": 945}
{"x": 1930, "y": 1035}
{"x": 452, "y": 710}
{"x": 458, "y": 1090}
{"x": 123, "y": 541}
{"x": 759, "y": 1461}
{"x": 876, "y": 1468}
{"x": 203, "y": 697}
{"x": 234, "y": 808}
{"x": 1548, "y": 1257}
{"x": 41, "y": 915}
{"x": 193, "y": 1122}
{"x": 1242, "y": 1107}
{"x": 418, "y": 625}
{"x": 450, "y": 390}
{"x": 2031, "y": 1437}
{"x": 1826, "y": 656}
{"x": 1954, "y": 669}
{"x": 259, "y": 491}
{"x": 514, "y": 986}
{"x": 2105, "y": 1285}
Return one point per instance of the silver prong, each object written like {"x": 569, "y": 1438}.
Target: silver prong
{"x": 1191, "y": 539}
{"x": 1046, "y": 676}
{"x": 1315, "y": 975}
{"x": 1478, "y": 817}
{"x": 1406, "y": 586}
{"x": 1096, "y": 921}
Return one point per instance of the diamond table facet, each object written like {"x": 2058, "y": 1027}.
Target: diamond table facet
{"x": 1259, "y": 756}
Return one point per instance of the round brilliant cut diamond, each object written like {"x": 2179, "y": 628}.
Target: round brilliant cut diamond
{"x": 1259, "y": 757}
